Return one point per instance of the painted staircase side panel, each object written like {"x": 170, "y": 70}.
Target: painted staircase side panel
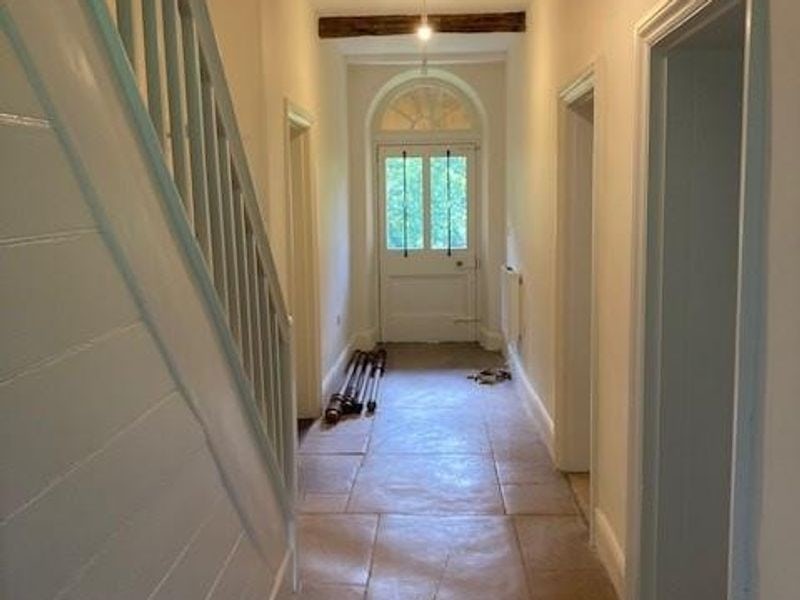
{"x": 113, "y": 481}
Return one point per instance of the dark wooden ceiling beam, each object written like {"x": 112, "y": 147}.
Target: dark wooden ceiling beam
{"x": 341, "y": 27}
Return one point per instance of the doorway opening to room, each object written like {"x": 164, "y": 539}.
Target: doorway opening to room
{"x": 302, "y": 281}
{"x": 574, "y": 411}
{"x": 693, "y": 303}
{"x": 427, "y": 215}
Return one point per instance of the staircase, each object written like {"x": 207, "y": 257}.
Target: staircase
{"x": 133, "y": 95}
{"x": 173, "y": 60}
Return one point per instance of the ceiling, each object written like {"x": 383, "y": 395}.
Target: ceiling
{"x": 378, "y": 7}
{"x": 447, "y": 47}
{"x": 443, "y": 47}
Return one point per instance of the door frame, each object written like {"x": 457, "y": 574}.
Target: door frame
{"x": 309, "y": 366}
{"x": 382, "y": 142}
{"x": 667, "y": 19}
{"x": 581, "y": 88}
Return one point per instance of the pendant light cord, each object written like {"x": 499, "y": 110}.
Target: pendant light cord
{"x": 424, "y": 69}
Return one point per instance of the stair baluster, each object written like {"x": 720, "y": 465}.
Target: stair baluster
{"x": 176, "y": 64}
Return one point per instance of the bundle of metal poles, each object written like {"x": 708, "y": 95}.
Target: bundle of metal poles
{"x": 361, "y": 386}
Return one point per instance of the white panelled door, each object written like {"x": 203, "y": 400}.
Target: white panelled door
{"x": 428, "y": 249}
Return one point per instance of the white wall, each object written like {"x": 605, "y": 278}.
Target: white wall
{"x": 563, "y": 40}
{"x": 272, "y": 54}
{"x": 121, "y": 451}
{"x": 777, "y": 536}
{"x": 335, "y": 239}
{"x": 364, "y": 84}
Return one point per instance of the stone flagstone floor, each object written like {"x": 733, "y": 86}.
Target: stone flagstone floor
{"x": 447, "y": 493}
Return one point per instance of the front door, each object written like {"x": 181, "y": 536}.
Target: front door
{"x": 427, "y": 243}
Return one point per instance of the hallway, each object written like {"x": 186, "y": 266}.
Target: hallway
{"x": 207, "y": 205}
{"x": 447, "y": 493}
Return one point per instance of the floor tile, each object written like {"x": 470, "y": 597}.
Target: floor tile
{"x": 523, "y": 446}
{"x": 328, "y": 473}
{"x": 396, "y": 589}
{"x": 349, "y": 436}
{"x": 336, "y": 549}
{"x": 447, "y": 558}
{"x": 532, "y": 470}
{"x": 581, "y": 487}
{"x": 322, "y": 503}
{"x": 552, "y": 543}
{"x": 506, "y": 409}
{"x": 539, "y": 499}
{"x": 435, "y": 431}
{"x": 325, "y": 481}
{"x": 571, "y": 585}
{"x": 331, "y": 592}
{"x": 425, "y": 391}
{"x": 429, "y": 483}
{"x": 410, "y": 504}
{"x": 507, "y": 420}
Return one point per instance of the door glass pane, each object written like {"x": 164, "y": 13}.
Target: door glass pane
{"x": 449, "y": 203}
{"x": 404, "y": 211}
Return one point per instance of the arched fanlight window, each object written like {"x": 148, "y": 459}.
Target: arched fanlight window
{"x": 427, "y": 106}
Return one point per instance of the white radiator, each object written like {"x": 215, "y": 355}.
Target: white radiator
{"x": 512, "y": 288}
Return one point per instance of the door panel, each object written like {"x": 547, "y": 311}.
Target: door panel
{"x": 428, "y": 250}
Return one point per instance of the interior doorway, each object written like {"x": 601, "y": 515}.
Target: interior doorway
{"x": 428, "y": 250}
{"x": 303, "y": 293}
{"x": 573, "y": 423}
{"x": 691, "y": 292}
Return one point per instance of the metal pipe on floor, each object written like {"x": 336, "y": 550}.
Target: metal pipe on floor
{"x": 378, "y": 369}
{"x": 337, "y": 402}
{"x": 366, "y": 377}
{"x": 361, "y": 386}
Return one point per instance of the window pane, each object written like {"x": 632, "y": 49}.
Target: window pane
{"x": 404, "y": 214}
{"x": 427, "y": 107}
{"x": 449, "y": 205}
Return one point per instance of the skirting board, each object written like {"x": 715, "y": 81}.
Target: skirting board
{"x": 533, "y": 400}
{"x": 333, "y": 377}
{"x": 491, "y": 340}
{"x": 610, "y": 552}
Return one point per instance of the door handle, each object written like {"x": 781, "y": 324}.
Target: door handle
{"x": 459, "y": 263}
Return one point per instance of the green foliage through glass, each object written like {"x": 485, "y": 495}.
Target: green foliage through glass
{"x": 404, "y": 211}
{"x": 449, "y": 205}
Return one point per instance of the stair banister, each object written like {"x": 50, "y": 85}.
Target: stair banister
{"x": 166, "y": 58}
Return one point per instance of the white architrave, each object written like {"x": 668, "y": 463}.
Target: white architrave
{"x": 478, "y": 137}
{"x": 664, "y": 21}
